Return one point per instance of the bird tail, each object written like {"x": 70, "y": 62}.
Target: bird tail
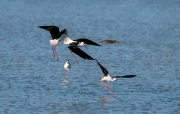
{"x": 67, "y": 40}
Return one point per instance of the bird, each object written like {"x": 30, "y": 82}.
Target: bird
{"x": 75, "y": 44}
{"x": 56, "y": 35}
{"x": 80, "y": 41}
{"x": 107, "y": 77}
{"x": 67, "y": 67}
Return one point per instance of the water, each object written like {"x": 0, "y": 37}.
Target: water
{"x": 31, "y": 81}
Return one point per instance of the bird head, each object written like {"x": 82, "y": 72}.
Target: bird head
{"x": 81, "y": 44}
{"x": 113, "y": 79}
{"x": 67, "y": 61}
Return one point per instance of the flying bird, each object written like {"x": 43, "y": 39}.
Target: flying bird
{"x": 75, "y": 44}
{"x": 107, "y": 77}
{"x": 80, "y": 42}
{"x": 56, "y": 35}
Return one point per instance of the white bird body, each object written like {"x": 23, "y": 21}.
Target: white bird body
{"x": 107, "y": 78}
{"x": 68, "y": 40}
{"x": 54, "y": 42}
{"x": 67, "y": 65}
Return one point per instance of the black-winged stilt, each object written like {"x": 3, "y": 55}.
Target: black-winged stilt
{"x": 107, "y": 77}
{"x": 80, "y": 42}
{"x": 56, "y": 37}
{"x": 75, "y": 44}
{"x": 67, "y": 67}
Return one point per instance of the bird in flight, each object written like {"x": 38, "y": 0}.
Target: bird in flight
{"x": 75, "y": 44}
{"x": 107, "y": 78}
{"x": 57, "y": 36}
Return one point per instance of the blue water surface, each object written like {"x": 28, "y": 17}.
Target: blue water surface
{"x": 148, "y": 31}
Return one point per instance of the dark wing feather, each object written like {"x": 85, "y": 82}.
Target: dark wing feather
{"x": 81, "y": 53}
{"x": 54, "y": 30}
{"x": 103, "y": 69}
{"x": 64, "y": 32}
{"x": 73, "y": 45}
{"x": 126, "y": 76}
{"x": 48, "y": 28}
{"x": 87, "y": 41}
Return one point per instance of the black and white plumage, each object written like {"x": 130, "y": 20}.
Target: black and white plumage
{"x": 80, "y": 42}
{"x": 56, "y": 35}
{"x": 107, "y": 77}
{"x": 75, "y": 44}
{"x": 67, "y": 67}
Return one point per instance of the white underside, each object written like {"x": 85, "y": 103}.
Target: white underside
{"x": 54, "y": 42}
{"x": 67, "y": 66}
{"x": 107, "y": 78}
{"x": 68, "y": 40}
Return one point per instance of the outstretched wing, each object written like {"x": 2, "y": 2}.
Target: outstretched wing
{"x": 103, "y": 69}
{"x": 81, "y": 53}
{"x": 54, "y": 30}
{"x": 87, "y": 41}
{"x": 126, "y": 76}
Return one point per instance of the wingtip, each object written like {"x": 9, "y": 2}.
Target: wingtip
{"x": 41, "y": 27}
{"x": 133, "y": 75}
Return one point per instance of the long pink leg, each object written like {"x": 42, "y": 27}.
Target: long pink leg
{"x": 100, "y": 82}
{"x": 105, "y": 87}
{"x": 67, "y": 71}
{"x": 53, "y": 50}
{"x": 74, "y": 57}
{"x": 56, "y": 55}
{"x": 108, "y": 87}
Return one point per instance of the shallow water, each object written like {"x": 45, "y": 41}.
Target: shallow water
{"x": 31, "y": 81}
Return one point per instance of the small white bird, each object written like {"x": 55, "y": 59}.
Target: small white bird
{"x": 67, "y": 67}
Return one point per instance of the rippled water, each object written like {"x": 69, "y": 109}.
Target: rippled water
{"x": 31, "y": 81}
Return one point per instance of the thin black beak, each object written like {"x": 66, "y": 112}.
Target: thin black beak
{"x": 85, "y": 46}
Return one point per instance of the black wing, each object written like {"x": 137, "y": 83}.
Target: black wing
{"x": 81, "y": 53}
{"x": 87, "y": 41}
{"x": 64, "y": 32}
{"x": 103, "y": 69}
{"x": 126, "y": 76}
{"x": 54, "y": 30}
